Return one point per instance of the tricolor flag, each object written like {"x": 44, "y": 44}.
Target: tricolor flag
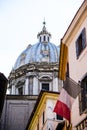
{"x": 68, "y": 93}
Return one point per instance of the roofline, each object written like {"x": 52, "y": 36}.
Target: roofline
{"x": 65, "y": 41}
{"x": 73, "y": 20}
{"x": 21, "y": 97}
{"x": 2, "y": 76}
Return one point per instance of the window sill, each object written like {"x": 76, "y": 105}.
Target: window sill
{"x": 82, "y": 54}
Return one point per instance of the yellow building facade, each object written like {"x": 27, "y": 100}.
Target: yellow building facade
{"x": 43, "y": 117}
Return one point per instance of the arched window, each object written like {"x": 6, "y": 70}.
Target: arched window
{"x": 44, "y": 38}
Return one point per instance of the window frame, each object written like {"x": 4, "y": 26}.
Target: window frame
{"x": 18, "y": 86}
{"x": 80, "y": 42}
{"x": 46, "y": 86}
{"x": 58, "y": 117}
{"x": 83, "y": 96}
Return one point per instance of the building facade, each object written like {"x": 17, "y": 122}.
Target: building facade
{"x": 75, "y": 39}
{"x": 43, "y": 117}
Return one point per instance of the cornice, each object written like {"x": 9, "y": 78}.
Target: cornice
{"x": 75, "y": 23}
{"x": 35, "y": 67}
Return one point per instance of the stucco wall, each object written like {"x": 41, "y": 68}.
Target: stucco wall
{"x": 77, "y": 69}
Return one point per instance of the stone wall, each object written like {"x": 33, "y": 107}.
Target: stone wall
{"x": 16, "y": 112}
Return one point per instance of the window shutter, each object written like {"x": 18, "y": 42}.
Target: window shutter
{"x": 82, "y": 98}
{"x": 80, "y": 103}
{"x": 84, "y": 38}
{"x": 85, "y": 91}
{"x": 77, "y": 50}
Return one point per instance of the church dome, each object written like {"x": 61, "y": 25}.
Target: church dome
{"x": 43, "y": 51}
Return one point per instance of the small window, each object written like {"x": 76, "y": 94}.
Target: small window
{"x": 81, "y": 42}
{"x": 58, "y": 117}
{"x": 44, "y": 38}
{"x": 20, "y": 90}
{"x": 83, "y": 96}
{"x": 45, "y": 86}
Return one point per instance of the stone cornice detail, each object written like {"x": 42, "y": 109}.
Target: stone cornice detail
{"x": 33, "y": 67}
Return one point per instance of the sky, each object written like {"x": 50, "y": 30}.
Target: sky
{"x": 21, "y": 20}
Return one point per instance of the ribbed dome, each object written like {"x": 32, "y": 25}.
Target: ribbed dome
{"x": 43, "y": 51}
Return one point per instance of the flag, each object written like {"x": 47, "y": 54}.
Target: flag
{"x": 68, "y": 93}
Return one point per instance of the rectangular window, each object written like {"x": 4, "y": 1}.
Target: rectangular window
{"x": 45, "y": 86}
{"x": 81, "y": 42}
{"x": 59, "y": 117}
{"x": 20, "y": 90}
{"x": 83, "y": 96}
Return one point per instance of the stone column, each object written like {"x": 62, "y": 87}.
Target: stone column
{"x": 35, "y": 86}
{"x": 26, "y": 86}
{"x": 55, "y": 85}
{"x": 13, "y": 90}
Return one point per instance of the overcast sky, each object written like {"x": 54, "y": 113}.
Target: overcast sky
{"x": 21, "y": 20}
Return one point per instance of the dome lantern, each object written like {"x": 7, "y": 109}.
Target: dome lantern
{"x": 44, "y": 36}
